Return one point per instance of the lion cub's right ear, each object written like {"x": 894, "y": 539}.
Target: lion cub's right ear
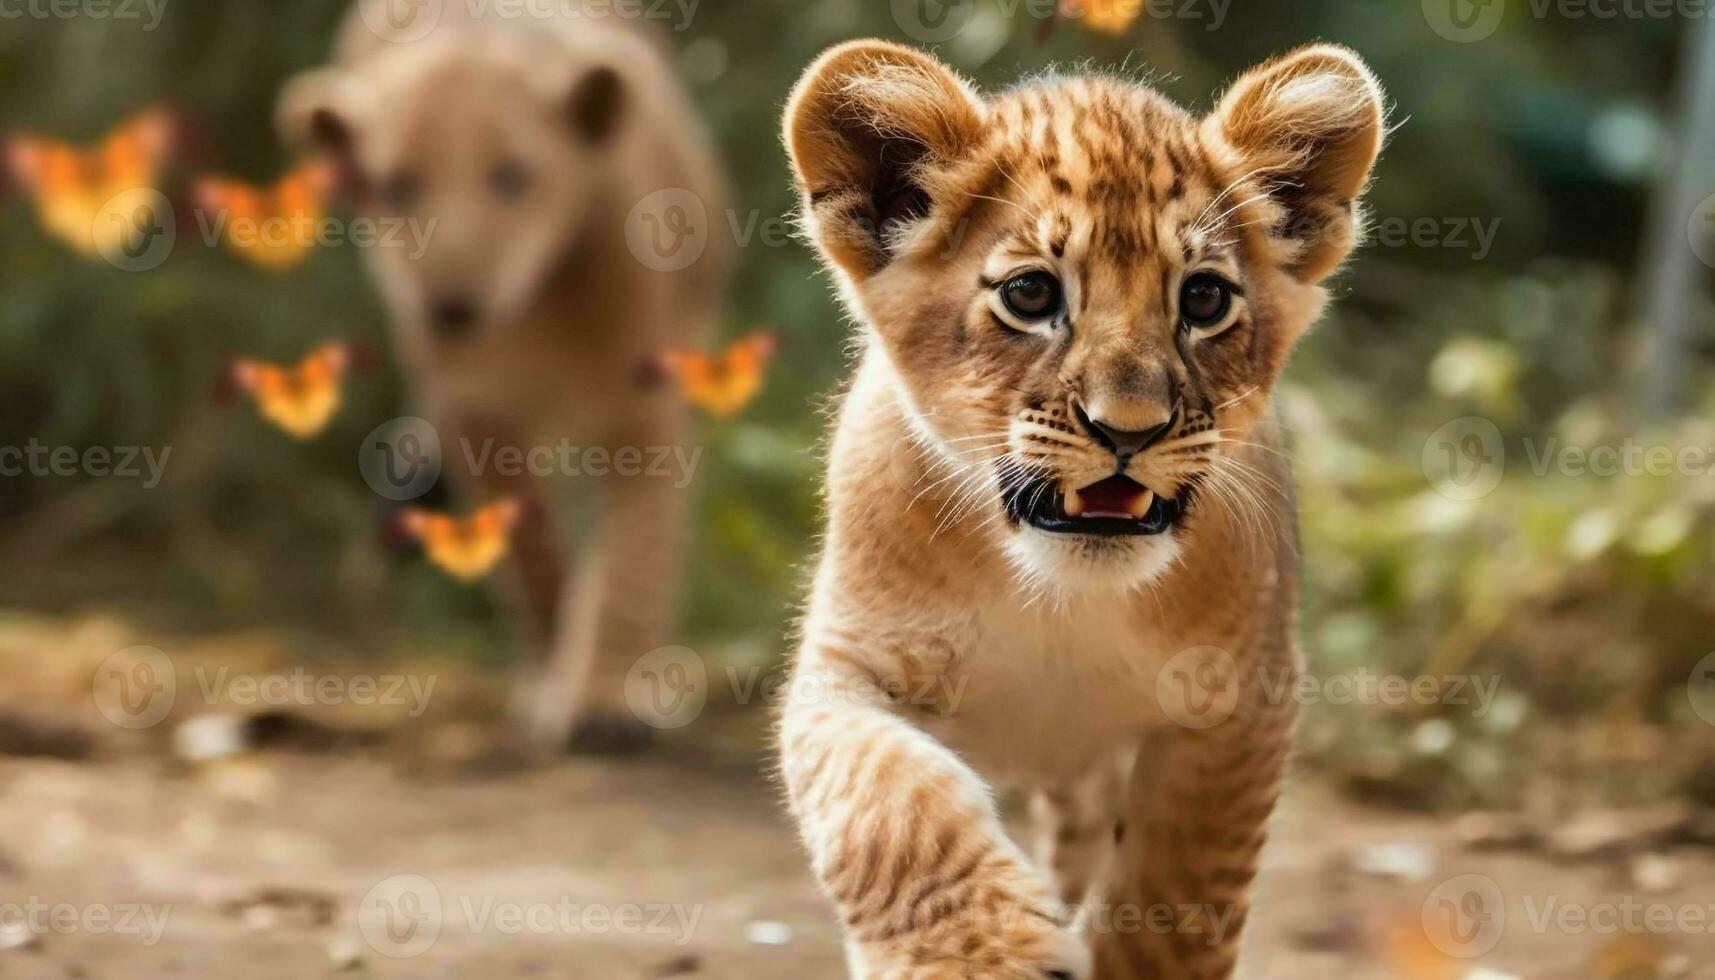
{"x": 871, "y": 129}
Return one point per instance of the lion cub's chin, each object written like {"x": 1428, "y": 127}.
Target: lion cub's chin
{"x": 1084, "y": 565}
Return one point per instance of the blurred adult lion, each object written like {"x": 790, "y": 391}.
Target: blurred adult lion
{"x": 530, "y": 137}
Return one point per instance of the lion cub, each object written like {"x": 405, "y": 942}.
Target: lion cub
{"x": 1060, "y": 551}
{"x": 524, "y": 144}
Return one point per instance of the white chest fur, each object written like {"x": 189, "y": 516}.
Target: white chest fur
{"x": 1035, "y": 685}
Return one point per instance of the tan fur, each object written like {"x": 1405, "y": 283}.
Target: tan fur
{"x": 1049, "y": 649}
{"x": 565, "y": 315}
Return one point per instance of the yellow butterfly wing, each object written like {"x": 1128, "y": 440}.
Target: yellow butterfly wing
{"x": 724, "y": 383}
{"x": 274, "y": 227}
{"x": 466, "y": 548}
{"x": 71, "y": 186}
{"x": 302, "y": 399}
{"x": 58, "y": 181}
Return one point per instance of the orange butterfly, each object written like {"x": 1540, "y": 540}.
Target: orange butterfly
{"x": 72, "y": 186}
{"x": 1108, "y": 16}
{"x": 725, "y": 382}
{"x": 466, "y": 548}
{"x": 301, "y": 398}
{"x": 273, "y": 227}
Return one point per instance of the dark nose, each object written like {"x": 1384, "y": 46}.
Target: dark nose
{"x": 1126, "y": 444}
{"x": 453, "y": 316}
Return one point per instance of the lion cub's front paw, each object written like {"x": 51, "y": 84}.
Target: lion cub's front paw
{"x": 979, "y": 948}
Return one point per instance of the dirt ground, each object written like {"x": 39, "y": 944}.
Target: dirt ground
{"x": 275, "y": 866}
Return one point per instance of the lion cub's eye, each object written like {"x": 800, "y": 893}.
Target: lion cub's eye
{"x": 1031, "y": 296}
{"x": 1205, "y": 300}
{"x": 509, "y": 180}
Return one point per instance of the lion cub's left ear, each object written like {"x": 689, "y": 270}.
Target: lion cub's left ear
{"x": 1309, "y": 124}
{"x": 872, "y": 128}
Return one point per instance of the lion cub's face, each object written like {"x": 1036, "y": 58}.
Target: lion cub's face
{"x": 1088, "y": 294}
{"x": 490, "y": 150}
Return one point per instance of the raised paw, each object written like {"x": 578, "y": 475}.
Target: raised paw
{"x": 1026, "y": 951}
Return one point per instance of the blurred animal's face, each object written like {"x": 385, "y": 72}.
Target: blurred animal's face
{"x": 483, "y": 160}
{"x": 1088, "y": 294}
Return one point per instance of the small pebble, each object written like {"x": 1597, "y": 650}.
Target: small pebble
{"x": 261, "y": 918}
{"x": 1400, "y": 862}
{"x": 766, "y": 933}
{"x": 208, "y": 737}
{"x": 1656, "y": 872}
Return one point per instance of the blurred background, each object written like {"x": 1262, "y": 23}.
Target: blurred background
{"x": 1502, "y": 436}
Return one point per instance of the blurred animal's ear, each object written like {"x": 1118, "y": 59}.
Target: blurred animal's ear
{"x": 596, "y": 104}
{"x": 1309, "y": 125}
{"x": 325, "y": 111}
{"x": 871, "y": 129}
{"x": 321, "y": 110}
{"x": 593, "y": 88}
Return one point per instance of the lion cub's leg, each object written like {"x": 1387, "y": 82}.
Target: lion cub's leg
{"x": 1178, "y": 893}
{"x": 529, "y": 588}
{"x": 1075, "y": 825}
{"x": 616, "y": 608}
{"x": 905, "y": 839}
